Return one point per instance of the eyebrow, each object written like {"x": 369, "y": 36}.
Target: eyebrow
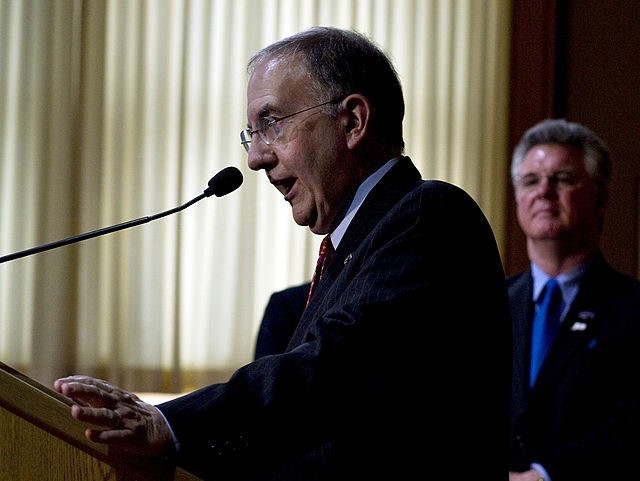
{"x": 569, "y": 170}
{"x": 265, "y": 111}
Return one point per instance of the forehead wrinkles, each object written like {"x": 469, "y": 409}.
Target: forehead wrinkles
{"x": 279, "y": 83}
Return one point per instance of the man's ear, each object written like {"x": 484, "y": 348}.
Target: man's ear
{"x": 356, "y": 119}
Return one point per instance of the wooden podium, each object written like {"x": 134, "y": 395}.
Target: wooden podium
{"x": 39, "y": 440}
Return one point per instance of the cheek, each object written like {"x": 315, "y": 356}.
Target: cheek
{"x": 579, "y": 206}
{"x": 523, "y": 205}
{"x": 294, "y": 162}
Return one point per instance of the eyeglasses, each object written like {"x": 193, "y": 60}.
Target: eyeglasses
{"x": 269, "y": 128}
{"x": 561, "y": 180}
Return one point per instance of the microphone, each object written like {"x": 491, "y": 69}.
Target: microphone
{"x": 224, "y": 182}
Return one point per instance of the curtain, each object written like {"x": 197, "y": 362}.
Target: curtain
{"x": 115, "y": 110}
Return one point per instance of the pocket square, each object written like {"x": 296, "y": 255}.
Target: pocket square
{"x": 578, "y": 326}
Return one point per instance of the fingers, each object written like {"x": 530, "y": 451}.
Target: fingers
{"x": 89, "y": 391}
{"x": 78, "y": 382}
{"x": 119, "y": 437}
{"x": 141, "y": 430}
{"x": 115, "y": 424}
{"x": 99, "y": 402}
{"x": 103, "y": 417}
{"x": 119, "y": 417}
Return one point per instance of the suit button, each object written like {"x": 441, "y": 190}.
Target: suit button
{"x": 213, "y": 445}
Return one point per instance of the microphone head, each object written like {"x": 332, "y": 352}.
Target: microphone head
{"x": 225, "y": 181}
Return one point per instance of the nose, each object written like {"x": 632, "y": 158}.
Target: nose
{"x": 260, "y": 155}
{"x": 547, "y": 187}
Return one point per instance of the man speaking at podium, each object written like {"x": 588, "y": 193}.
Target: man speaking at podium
{"x": 401, "y": 360}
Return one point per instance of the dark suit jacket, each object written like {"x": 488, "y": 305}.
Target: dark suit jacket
{"x": 400, "y": 363}
{"x": 281, "y": 316}
{"x": 581, "y": 420}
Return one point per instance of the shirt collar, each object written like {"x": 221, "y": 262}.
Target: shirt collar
{"x": 362, "y": 192}
{"x": 568, "y": 281}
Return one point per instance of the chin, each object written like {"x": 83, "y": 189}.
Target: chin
{"x": 302, "y": 220}
{"x": 317, "y": 228}
{"x": 547, "y": 234}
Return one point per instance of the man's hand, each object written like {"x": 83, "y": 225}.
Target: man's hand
{"x": 122, "y": 419}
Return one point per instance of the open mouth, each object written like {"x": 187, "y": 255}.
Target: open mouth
{"x": 285, "y": 187}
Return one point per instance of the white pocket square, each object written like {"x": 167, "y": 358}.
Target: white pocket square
{"x": 578, "y": 326}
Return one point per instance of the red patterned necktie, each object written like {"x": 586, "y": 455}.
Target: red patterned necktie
{"x": 326, "y": 251}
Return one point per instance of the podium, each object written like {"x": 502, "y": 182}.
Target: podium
{"x": 39, "y": 440}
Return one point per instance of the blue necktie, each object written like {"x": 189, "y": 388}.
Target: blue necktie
{"x": 545, "y": 325}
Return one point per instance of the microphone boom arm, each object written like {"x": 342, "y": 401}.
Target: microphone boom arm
{"x": 99, "y": 232}
{"x": 225, "y": 181}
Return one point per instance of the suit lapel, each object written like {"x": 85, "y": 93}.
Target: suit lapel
{"x": 576, "y": 331}
{"x": 390, "y": 189}
{"x": 578, "y": 328}
{"x": 520, "y": 293}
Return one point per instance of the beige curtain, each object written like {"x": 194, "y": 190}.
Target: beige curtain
{"x": 116, "y": 110}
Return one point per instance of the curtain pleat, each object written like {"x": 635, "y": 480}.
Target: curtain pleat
{"x": 114, "y": 110}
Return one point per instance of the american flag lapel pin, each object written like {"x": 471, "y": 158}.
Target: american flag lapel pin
{"x": 582, "y": 325}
